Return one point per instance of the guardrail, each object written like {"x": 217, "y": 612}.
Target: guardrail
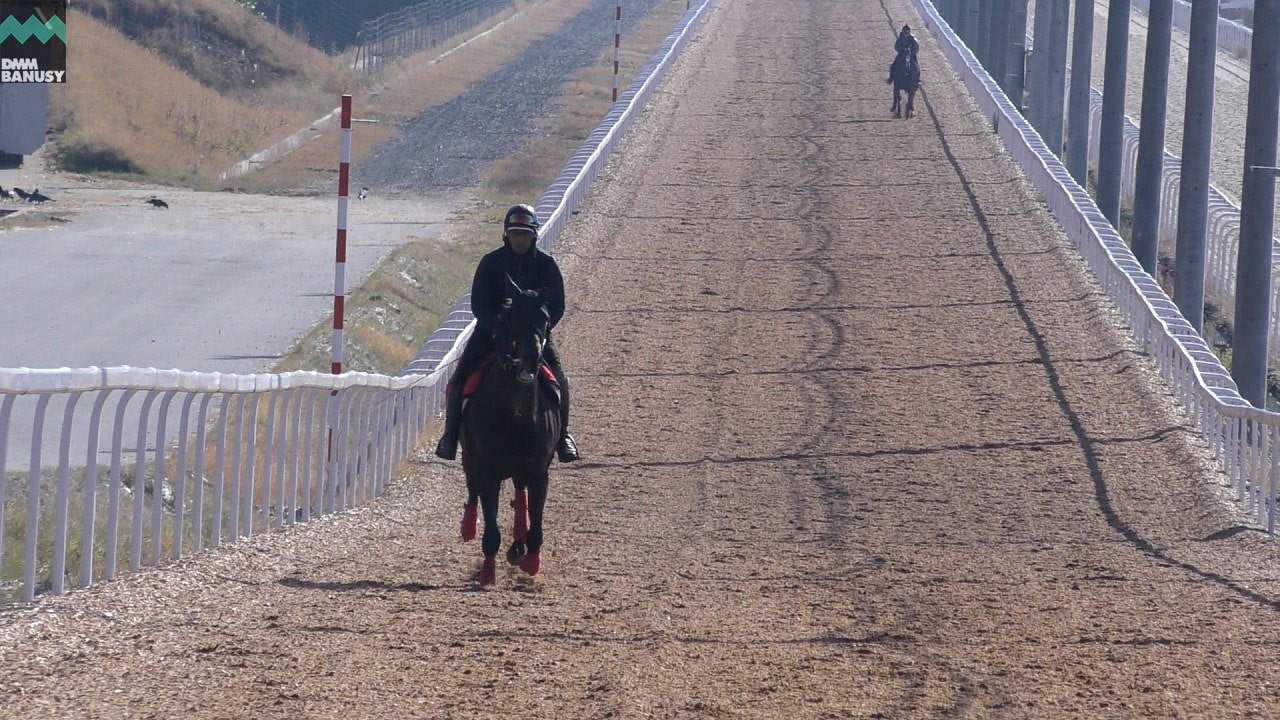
{"x": 153, "y": 465}
{"x": 1245, "y": 441}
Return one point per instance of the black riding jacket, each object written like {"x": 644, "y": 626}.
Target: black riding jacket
{"x": 535, "y": 270}
{"x": 905, "y": 43}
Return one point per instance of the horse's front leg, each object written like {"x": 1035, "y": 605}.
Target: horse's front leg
{"x": 519, "y": 523}
{"x": 469, "y": 517}
{"x": 492, "y": 534}
{"x": 532, "y": 561}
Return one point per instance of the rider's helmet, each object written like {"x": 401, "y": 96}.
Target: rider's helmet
{"x": 521, "y": 217}
{"x": 906, "y": 30}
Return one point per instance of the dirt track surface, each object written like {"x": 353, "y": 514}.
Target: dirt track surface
{"x": 863, "y": 442}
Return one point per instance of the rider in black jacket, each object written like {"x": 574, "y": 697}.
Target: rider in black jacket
{"x": 520, "y": 259}
{"x": 903, "y": 44}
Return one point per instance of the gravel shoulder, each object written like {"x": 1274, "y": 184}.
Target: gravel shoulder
{"x": 863, "y": 441}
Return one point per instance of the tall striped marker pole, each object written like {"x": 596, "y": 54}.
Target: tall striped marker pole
{"x": 339, "y": 282}
{"x": 340, "y": 263}
{"x": 617, "y": 45}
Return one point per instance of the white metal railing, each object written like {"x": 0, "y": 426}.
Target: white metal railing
{"x": 1244, "y": 440}
{"x": 152, "y": 465}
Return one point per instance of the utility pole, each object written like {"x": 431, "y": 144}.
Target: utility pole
{"x": 1149, "y": 178}
{"x": 1197, "y": 138}
{"x": 1077, "y": 158}
{"x": 1257, "y": 208}
{"x": 1111, "y": 136}
{"x": 1015, "y": 61}
{"x": 1038, "y": 67}
{"x": 1056, "y": 74}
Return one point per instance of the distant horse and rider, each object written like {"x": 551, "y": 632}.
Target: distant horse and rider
{"x": 515, "y": 417}
{"x": 904, "y": 73}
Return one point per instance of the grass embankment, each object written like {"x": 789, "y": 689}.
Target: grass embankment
{"x": 128, "y": 110}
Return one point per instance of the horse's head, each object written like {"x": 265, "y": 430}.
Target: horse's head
{"x": 521, "y": 332}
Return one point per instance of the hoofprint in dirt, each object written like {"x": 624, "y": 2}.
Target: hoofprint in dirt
{"x": 862, "y": 441}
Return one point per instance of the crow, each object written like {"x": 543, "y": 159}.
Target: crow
{"x": 157, "y": 202}
{"x": 22, "y": 194}
{"x": 364, "y": 193}
{"x": 38, "y": 197}
{"x": 5, "y": 194}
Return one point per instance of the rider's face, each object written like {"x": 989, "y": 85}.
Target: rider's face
{"x": 521, "y": 240}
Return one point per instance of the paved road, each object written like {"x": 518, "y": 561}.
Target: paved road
{"x": 217, "y": 282}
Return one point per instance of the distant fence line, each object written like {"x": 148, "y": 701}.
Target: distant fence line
{"x": 417, "y": 28}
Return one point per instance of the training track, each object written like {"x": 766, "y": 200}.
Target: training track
{"x": 863, "y": 442}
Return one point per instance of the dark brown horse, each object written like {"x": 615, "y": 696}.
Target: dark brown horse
{"x": 905, "y": 75}
{"x": 509, "y": 430}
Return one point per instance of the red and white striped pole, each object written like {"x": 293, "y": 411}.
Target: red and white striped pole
{"x": 340, "y": 263}
{"x": 617, "y": 44}
{"x": 339, "y": 281}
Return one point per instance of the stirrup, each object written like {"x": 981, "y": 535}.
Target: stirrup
{"x": 567, "y": 450}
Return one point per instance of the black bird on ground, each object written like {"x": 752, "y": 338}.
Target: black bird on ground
{"x": 38, "y": 197}
{"x": 157, "y": 202}
{"x": 22, "y": 194}
{"x": 5, "y": 194}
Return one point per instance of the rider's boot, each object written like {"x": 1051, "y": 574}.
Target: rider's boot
{"x": 567, "y": 450}
{"x": 447, "y": 448}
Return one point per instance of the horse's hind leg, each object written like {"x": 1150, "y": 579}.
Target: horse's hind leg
{"x": 532, "y": 562}
{"x": 492, "y": 534}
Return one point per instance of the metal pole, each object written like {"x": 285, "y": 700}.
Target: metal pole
{"x": 998, "y": 37}
{"x": 1056, "y": 74}
{"x": 974, "y": 8}
{"x": 1111, "y": 134}
{"x": 617, "y": 45}
{"x": 1038, "y": 67}
{"x": 1077, "y": 159}
{"x": 1197, "y": 138}
{"x": 982, "y": 38}
{"x": 340, "y": 262}
{"x": 340, "y": 267}
{"x": 1257, "y": 208}
{"x": 1015, "y": 61}
{"x": 1149, "y": 176}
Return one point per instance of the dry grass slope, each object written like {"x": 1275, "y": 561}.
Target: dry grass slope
{"x": 129, "y": 109}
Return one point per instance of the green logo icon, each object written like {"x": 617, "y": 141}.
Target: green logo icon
{"x": 21, "y": 31}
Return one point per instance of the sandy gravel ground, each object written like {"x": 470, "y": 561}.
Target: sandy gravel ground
{"x": 863, "y": 443}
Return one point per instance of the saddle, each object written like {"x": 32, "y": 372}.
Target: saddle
{"x": 545, "y": 376}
